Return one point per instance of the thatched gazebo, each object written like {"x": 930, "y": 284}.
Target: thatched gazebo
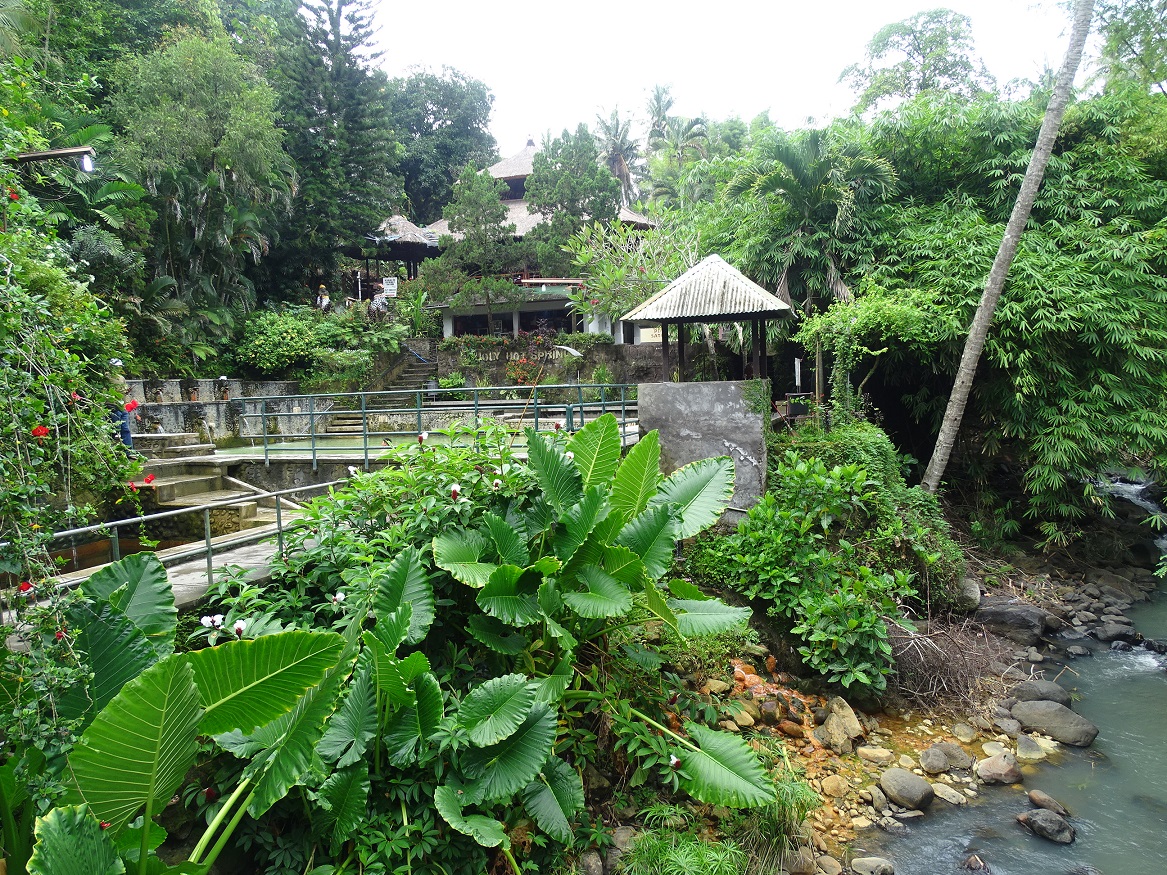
{"x": 712, "y": 291}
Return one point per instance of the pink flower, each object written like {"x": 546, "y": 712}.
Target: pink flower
{"x": 105, "y": 824}
{"x": 74, "y": 396}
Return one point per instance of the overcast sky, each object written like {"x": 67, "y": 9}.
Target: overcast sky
{"x": 553, "y": 64}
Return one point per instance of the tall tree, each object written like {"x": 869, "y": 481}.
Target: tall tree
{"x": 660, "y": 103}
{"x": 1135, "y": 33}
{"x": 568, "y": 185}
{"x": 931, "y": 51}
{"x": 978, "y": 331}
{"x": 443, "y": 121}
{"x": 20, "y": 30}
{"x": 618, "y": 150}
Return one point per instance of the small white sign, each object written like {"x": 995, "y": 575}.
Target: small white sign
{"x": 391, "y": 286}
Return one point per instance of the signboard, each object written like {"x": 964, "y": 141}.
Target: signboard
{"x": 650, "y": 335}
{"x": 390, "y": 286}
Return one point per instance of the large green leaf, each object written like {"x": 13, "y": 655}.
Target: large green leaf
{"x": 656, "y": 604}
{"x": 605, "y": 596}
{"x": 247, "y": 683}
{"x": 652, "y": 536}
{"x": 496, "y": 635}
{"x": 115, "y": 648}
{"x": 459, "y": 553}
{"x": 137, "y": 586}
{"x": 345, "y": 800}
{"x": 553, "y": 799}
{"x": 596, "y": 447}
{"x": 139, "y": 747}
{"x": 578, "y": 522}
{"x": 495, "y": 709}
{"x": 558, "y": 478}
{"x": 353, "y": 725}
{"x": 70, "y": 841}
{"x": 701, "y": 490}
{"x": 502, "y": 769}
{"x": 725, "y": 771}
{"x": 404, "y": 582}
{"x": 624, "y": 565}
{"x": 509, "y": 595}
{"x": 508, "y": 543}
{"x": 550, "y": 689}
{"x": 385, "y": 671}
{"x": 637, "y": 477}
{"x": 410, "y": 727}
{"x": 391, "y": 629}
{"x": 707, "y": 616}
{"x": 487, "y": 831}
{"x": 286, "y": 747}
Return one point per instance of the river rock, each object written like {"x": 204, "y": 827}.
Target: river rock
{"x": 829, "y": 865}
{"x": 1108, "y": 632}
{"x": 1056, "y": 721}
{"x": 933, "y": 761}
{"x": 835, "y": 786}
{"x": 1043, "y": 800}
{"x": 1007, "y": 725}
{"x": 590, "y": 863}
{"x": 948, "y": 794}
{"x": 999, "y": 769}
{"x": 891, "y": 826}
{"x": 872, "y": 866}
{"x": 1041, "y": 691}
{"x": 881, "y": 756}
{"x": 1028, "y": 750}
{"x": 1121, "y": 646}
{"x": 992, "y": 748}
{"x": 1047, "y": 825}
{"x": 878, "y": 800}
{"x": 964, "y": 732}
{"x": 1077, "y": 650}
{"x": 957, "y": 757}
{"x": 800, "y": 861}
{"x": 1017, "y": 621}
{"x": 792, "y": 729}
{"x": 840, "y": 727}
{"x": 906, "y": 789}
{"x": 968, "y": 594}
{"x": 717, "y": 686}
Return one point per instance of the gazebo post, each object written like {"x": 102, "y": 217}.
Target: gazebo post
{"x": 664, "y": 350}
{"x": 755, "y": 355}
{"x": 680, "y": 352}
{"x": 765, "y": 359}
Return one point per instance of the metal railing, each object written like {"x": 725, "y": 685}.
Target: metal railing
{"x": 276, "y": 416}
{"x": 209, "y": 544}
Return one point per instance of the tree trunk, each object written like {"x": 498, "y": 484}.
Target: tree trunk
{"x": 996, "y": 281}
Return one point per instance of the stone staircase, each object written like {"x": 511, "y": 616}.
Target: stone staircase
{"x": 411, "y": 375}
{"x": 190, "y": 484}
{"x": 161, "y": 445}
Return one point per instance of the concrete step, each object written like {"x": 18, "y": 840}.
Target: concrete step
{"x": 158, "y": 439}
{"x": 167, "y": 489}
{"x": 186, "y": 450}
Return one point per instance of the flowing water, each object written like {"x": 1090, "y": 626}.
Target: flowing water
{"x": 1116, "y": 790}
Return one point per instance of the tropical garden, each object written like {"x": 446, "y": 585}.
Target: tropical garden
{"x": 473, "y": 662}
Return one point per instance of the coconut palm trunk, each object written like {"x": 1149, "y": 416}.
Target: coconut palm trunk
{"x": 979, "y": 330}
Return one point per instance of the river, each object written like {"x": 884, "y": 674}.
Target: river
{"x": 1115, "y": 790}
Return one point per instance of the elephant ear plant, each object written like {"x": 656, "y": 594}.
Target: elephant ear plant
{"x": 553, "y": 581}
{"x": 149, "y": 706}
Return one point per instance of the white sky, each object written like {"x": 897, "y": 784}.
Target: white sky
{"x": 552, "y": 64}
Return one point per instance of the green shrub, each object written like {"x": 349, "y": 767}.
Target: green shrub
{"x": 663, "y": 852}
{"x": 276, "y": 342}
{"x": 453, "y": 380}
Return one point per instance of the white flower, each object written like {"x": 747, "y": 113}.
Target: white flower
{"x": 207, "y": 621}
{"x": 423, "y": 437}
{"x": 217, "y": 620}
{"x": 674, "y": 761}
{"x": 497, "y": 484}
{"x": 240, "y": 625}
{"x": 454, "y": 491}
{"x": 352, "y": 470}
{"x": 338, "y": 597}
{"x": 569, "y": 455}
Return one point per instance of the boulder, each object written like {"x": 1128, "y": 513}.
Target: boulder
{"x": 1041, "y": 799}
{"x": 964, "y": 732}
{"x": 933, "y": 761}
{"x": 1047, "y": 825}
{"x": 1041, "y": 691}
{"x": 790, "y": 728}
{"x": 590, "y": 863}
{"x": 872, "y": 866}
{"x": 957, "y": 758}
{"x": 840, "y": 727}
{"x": 1108, "y": 632}
{"x": 829, "y": 865}
{"x": 771, "y": 712}
{"x": 999, "y": 769}
{"x": 878, "y": 800}
{"x": 1056, "y": 721}
{"x": 1028, "y": 750}
{"x": 835, "y": 786}
{"x": 906, "y": 789}
{"x": 1007, "y": 725}
{"x": 1017, "y": 621}
{"x": 881, "y": 756}
{"x": 800, "y": 861}
{"x": 968, "y": 594}
{"x": 622, "y": 839}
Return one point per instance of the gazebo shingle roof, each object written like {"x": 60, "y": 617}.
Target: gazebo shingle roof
{"x": 711, "y": 291}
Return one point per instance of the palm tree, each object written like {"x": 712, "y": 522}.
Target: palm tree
{"x": 618, "y": 151}
{"x": 681, "y": 139}
{"x": 816, "y": 186}
{"x": 979, "y": 330}
{"x": 659, "y": 104}
{"x": 18, "y": 27}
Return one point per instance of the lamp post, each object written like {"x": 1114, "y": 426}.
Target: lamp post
{"x": 83, "y": 154}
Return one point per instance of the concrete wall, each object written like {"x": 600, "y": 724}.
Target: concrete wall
{"x": 177, "y": 406}
{"x": 700, "y": 420}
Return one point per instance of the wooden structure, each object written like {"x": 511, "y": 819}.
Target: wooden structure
{"x": 712, "y": 291}
{"x": 397, "y": 240}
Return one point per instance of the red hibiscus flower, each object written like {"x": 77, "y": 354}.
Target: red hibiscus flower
{"x": 40, "y": 432}
{"x": 133, "y": 486}
{"x": 13, "y": 195}
{"x": 149, "y": 478}
{"x": 25, "y": 586}
{"x": 60, "y": 634}
{"x": 131, "y": 405}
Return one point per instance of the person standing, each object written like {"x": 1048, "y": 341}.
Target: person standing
{"x": 120, "y": 413}
{"x": 323, "y": 303}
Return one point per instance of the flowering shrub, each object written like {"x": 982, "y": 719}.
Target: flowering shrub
{"x": 524, "y": 372}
